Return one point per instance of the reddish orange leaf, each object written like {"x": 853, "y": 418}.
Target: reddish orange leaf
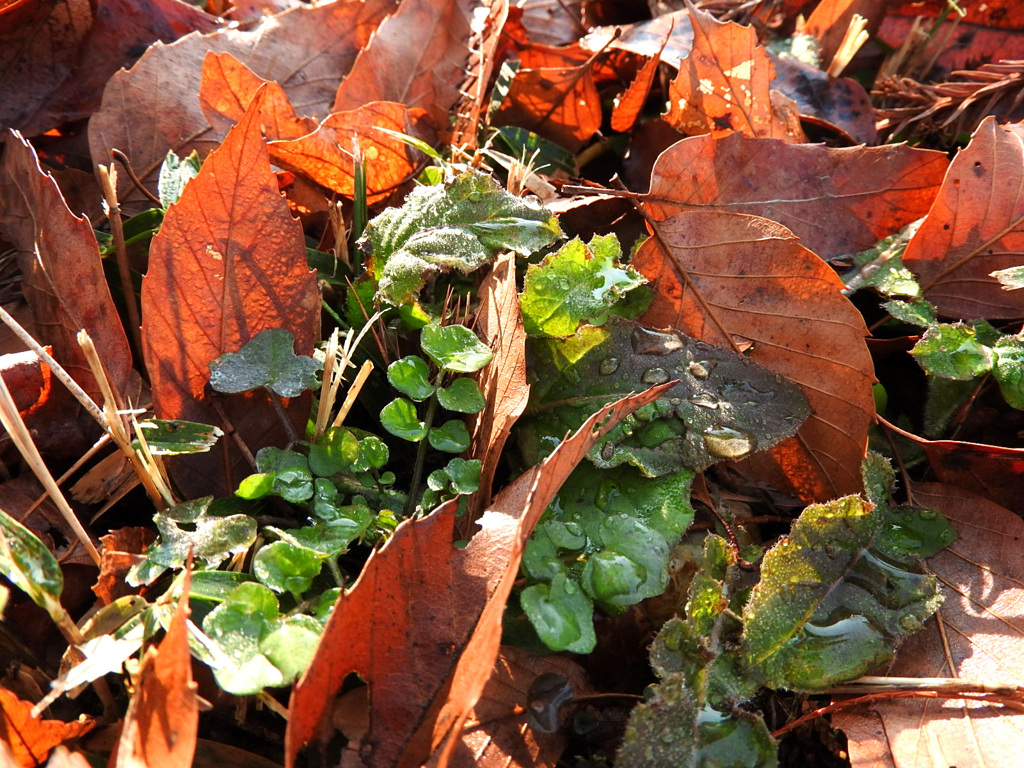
{"x": 629, "y": 104}
{"x": 161, "y": 723}
{"x": 830, "y": 20}
{"x": 28, "y": 738}
{"x": 416, "y": 58}
{"x": 227, "y": 88}
{"x": 327, "y": 155}
{"x": 975, "y": 226}
{"x": 118, "y": 549}
{"x": 484, "y": 46}
{"x": 503, "y": 381}
{"x": 560, "y": 103}
{"x": 724, "y": 86}
{"x": 726, "y": 276}
{"x": 63, "y": 278}
{"x": 978, "y": 630}
{"x": 153, "y": 106}
{"x": 440, "y": 650}
{"x": 837, "y": 201}
{"x": 228, "y": 262}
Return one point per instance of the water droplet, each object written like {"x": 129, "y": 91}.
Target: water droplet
{"x": 574, "y": 528}
{"x": 729, "y": 443}
{"x": 648, "y": 342}
{"x": 699, "y": 370}
{"x": 927, "y": 514}
{"x": 655, "y": 376}
{"x": 609, "y": 366}
{"x": 675, "y": 401}
{"x": 604, "y": 491}
{"x": 946, "y": 537}
{"x": 704, "y": 400}
{"x": 570, "y": 587}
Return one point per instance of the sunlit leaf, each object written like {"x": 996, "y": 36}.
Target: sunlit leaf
{"x": 455, "y": 348}
{"x": 267, "y": 360}
{"x": 952, "y": 351}
{"x": 462, "y": 396}
{"x": 285, "y": 567}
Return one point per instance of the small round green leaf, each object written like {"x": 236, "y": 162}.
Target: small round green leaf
{"x": 411, "y": 377}
{"x": 464, "y": 474}
{"x": 561, "y": 614}
{"x": 462, "y": 396}
{"x": 291, "y": 644}
{"x": 451, "y": 437}
{"x": 336, "y": 450}
{"x": 286, "y": 567}
{"x": 256, "y": 486}
{"x": 399, "y": 417}
{"x": 455, "y": 348}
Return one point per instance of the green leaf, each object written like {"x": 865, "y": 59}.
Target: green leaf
{"x": 561, "y": 614}
{"x": 266, "y": 360}
{"x": 399, "y": 417}
{"x": 1009, "y": 370}
{"x": 461, "y": 226}
{"x": 455, "y": 348}
{"x": 724, "y": 405}
{"x": 293, "y": 480}
{"x": 291, "y": 645}
{"x": 29, "y": 565}
{"x": 944, "y": 400}
{"x": 952, "y": 351}
{"x": 1011, "y": 279}
{"x": 882, "y": 268}
{"x": 171, "y": 438}
{"x": 919, "y": 312}
{"x": 830, "y": 605}
{"x": 462, "y": 396}
{"x": 215, "y": 585}
{"x": 545, "y": 156}
{"x": 285, "y": 567}
{"x": 451, "y": 437}
{"x": 464, "y": 474}
{"x": 336, "y": 450}
{"x": 666, "y": 722}
{"x": 238, "y": 626}
{"x": 578, "y": 284}
{"x": 329, "y": 538}
{"x": 175, "y": 173}
{"x": 630, "y": 567}
{"x": 256, "y": 486}
{"x": 411, "y": 377}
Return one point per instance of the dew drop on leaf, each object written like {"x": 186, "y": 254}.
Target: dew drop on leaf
{"x": 704, "y": 400}
{"x": 655, "y": 376}
{"x": 729, "y": 443}
{"x": 609, "y": 366}
{"x": 926, "y": 514}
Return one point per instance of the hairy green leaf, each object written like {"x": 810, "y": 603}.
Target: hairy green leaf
{"x": 266, "y": 360}
{"x": 1009, "y": 369}
{"x": 952, "y": 351}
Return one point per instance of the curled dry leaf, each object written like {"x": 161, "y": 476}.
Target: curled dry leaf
{"x": 629, "y": 105}
{"x": 228, "y": 262}
{"x": 725, "y": 276}
{"x": 425, "y": 75}
{"x": 978, "y": 629}
{"x": 442, "y": 648}
{"x": 837, "y": 201}
{"x": 975, "y": 227}
{"x": 153, "y": 106}
{"x": 63, "y": 279}
{"x": 724, "y": 85}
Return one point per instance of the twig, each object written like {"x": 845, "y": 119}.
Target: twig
{"x": 122, "y": 158}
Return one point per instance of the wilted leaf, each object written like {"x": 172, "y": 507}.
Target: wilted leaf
{"x": 161, "y": 723}
{"x": 63, "y": 278}
{"x": 483, "y": 44}
{"x": 456, "y": 636}
{"x": 978, "y": 629}
{"x": 974, "y": 228}
{"x": 838, "y": 201}
{"x": 29, "y": 738}
{"x": 228, "y": 263}
{"x": 646, "y": 38}
{"x": 724, "y": 86}
{"x": 732, "y": 276}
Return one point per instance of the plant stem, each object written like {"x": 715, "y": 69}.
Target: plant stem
{"x": 108, "y": 178}
{"x": 421, "y": 459}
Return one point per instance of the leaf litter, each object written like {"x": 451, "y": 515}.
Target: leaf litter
{"x": 459, "y": 515}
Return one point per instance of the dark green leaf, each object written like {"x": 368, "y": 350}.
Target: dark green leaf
{"x": 293, "y": 480}
{"x": 462, "y": 396}
{"x": 1009, "y": 370}
{"x": 29, "y": 565}
{"x": 630, "y": 567}
{"x": 952, "y": 351}
{"x": 285, "y": 567}
{"x": 455, "y": 348}
{"x": 399, "y": 417}
{"x": 169, "y": 438}
{"x": 451, "y": 437}
{"x": 544, "y": 156}
{"x": 661, "y": 730}
{"x": 561, "y": 614}
{"x": 266, "y": 360}
{"x": 410, "y": 376}
{"x": 464, "y": 474}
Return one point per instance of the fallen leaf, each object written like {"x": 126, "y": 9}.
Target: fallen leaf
{"x": 327, "y": 155}
{"x": 978, "y": 630}
{"x": 61, "y": 757}
{"x": 483, "y": 46}
{"x": 975, "y": 227}
{"x": 228, "y": 262}
{"x": 830, "y": 20}
{"x": 424, "y": 75}
{"x": 673, "y": 30}
{"x": 724, "y": 86}
{"x": 837, "y": 201}
{"x": 29, "y": 738}
{"x": 153, "y": 106}
{"x": 228, "y": 86}
{"x": 553, "y": 22}
{"x": 839, "y": 103}
{"x": 503, "y": 380}
{"x": 726, "y": 276}
{"x": 451, "y": 640}
{"x": 28, "y": 380}
{"x": 498, "y": 735}
{"x": 63, "y": 278}
{"x": 161, "y": 723}
{"x": 117, "y": 558}
{"x": 629, "y": 105}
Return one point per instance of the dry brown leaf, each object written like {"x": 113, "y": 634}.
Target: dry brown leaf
{"x": 161, "y": 723}
{"x": 840, "y": 104}
{"x": 63, "y": 278}
{"x": 28, "y": 738}
{"x": 982, "y": 623}
{"x": 837, "y": 201}
{"x": 120, "y": 549}
{"x": 975, "y": 227}
{"x": 475, "y": 96}
{"x": 228, "y": 262}
{"x": 724, "y": 86}
{"x": 830, "y": 20}
{"x": 416, "y": 58}
{"x": 441, "y": 643}
{"x": 728, "y": 275}
{"x": 559, "y": 103}
{"x": 153, "y": 106}
{"x": 327, "y": 155}
{"x": 503, "y": 381}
